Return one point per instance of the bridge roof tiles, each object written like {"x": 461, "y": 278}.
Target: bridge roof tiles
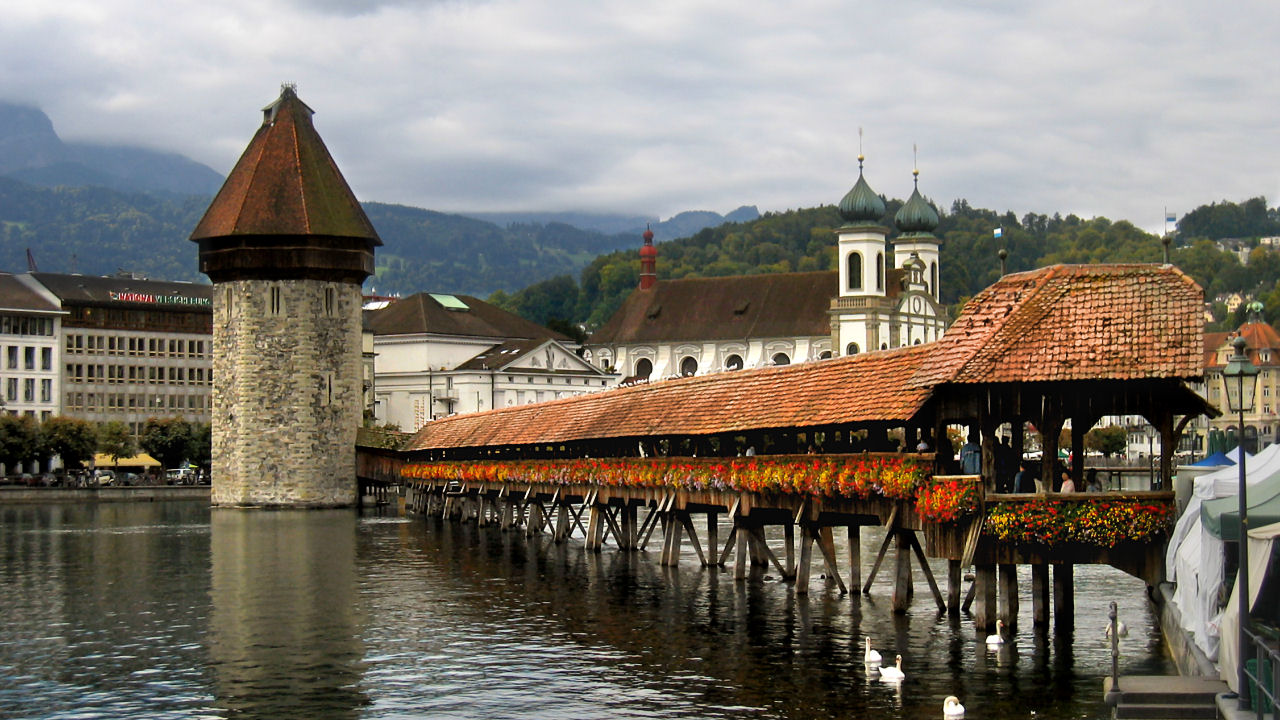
{"x": 1075, "y": 322}
{"x": 861, "y": 388}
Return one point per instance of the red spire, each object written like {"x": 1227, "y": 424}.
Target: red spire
{"x": 648, "y": 261}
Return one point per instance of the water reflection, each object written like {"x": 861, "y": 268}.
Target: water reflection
{"x": 285, "y": 627}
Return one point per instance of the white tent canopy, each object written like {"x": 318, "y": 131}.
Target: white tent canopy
{"x": 1260, "y": 547}
{"x": 1194, "y": 557}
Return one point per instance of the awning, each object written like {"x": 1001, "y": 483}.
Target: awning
{"x": 140, "y": 460}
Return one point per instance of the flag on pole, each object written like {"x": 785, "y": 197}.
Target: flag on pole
{"x": 998, "y": 232}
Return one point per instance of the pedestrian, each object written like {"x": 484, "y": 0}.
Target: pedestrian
{"x": 971, "y": 456}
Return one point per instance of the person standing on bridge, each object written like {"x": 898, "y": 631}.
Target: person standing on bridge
{"x": 971, "y": 456}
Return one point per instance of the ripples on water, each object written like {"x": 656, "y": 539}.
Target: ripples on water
{"x": 170, "y": 610}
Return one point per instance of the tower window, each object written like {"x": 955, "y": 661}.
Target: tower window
{"x": 329, "y": 302}
{"x": 880, "y": 271}
{"x": 854, "y": 270}
{"x": 689, "y": 366}
{"x": 781, "y": 359}
{"x": 644, "y": 368}
{"x": 275, "y": 303}
{"x": 933, "y": 280}
{"x": 851, "y": 349}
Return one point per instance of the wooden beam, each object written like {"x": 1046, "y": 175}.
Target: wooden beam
{"x": 806, "y": 557}
{"x": 855, "y": 556}
{"x": 953, "y": 587}
{"x": 1008, "y": 612}
{"x": 984, "y": 610}
{"x": 693, "y": 535}
{"x": 928, "y": 572}
{"x": 1040, "y": 594}
{"x": 1064, "y": 596}
{"x": 827, "y": 544}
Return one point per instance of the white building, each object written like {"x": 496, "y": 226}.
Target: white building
{"x": 437, "y": 355}
{"x": 879, "y": 298}
{"x": 30, "y": 333}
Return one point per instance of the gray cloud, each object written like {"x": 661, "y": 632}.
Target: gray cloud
{"x": 1089, "y": 107}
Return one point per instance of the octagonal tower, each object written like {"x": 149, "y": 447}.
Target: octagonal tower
{"x": 287, "y": 247}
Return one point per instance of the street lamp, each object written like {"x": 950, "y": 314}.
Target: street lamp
{"x": 1241, "y": 378}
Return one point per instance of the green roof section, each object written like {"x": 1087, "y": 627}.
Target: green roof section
{"x": 450, "y": 302}
{"x": 861, "y": 205}
{"x": 917, "y": 218}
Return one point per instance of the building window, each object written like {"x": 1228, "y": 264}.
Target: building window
{"x": 275, "y": 303}
{"x": 13, "y": 357}
{"x": 29, "y": 390}
{"x": 330, "y": 304}
{"x": 733, "y": 362}
{"x": 851, "y": 349}
{"x": 933, "y": 279}
{"x": 644, "y": 368}
{"x": 688, "y": 366}
{"x": 854, "y": 270}
{"x": 11, "y": 390}
{"x": 824, "y": 355}
{"x": 46, "y": 358}
{"x": 781, "y": 359}
{"x": 29, "y": 357}
{"x": 880, "y": 271}
{"x": 46, "y": 390}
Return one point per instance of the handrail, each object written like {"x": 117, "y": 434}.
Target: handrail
{"x": 1266, "y": 652}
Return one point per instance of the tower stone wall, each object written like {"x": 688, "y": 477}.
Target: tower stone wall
{"x": 286, "y": 392}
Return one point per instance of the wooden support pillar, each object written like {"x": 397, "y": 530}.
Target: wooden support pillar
{"x": 827, "y": 543}
{"x": 630, "y": 526}
{"x": 674, "y": 539}
{"x": 806, "y": 557}
{"x": 742, "y": 540}
{"x": 855, "y": 556}
{"x": 563, "y": 528}
{"x": 1040, "y": 594}
{"x": 789, "y": 535}
{"x": 984, "y": 609}
{"x": 1064, "y": 596}
{"x": 713, "y": 537}
{"x": 902, "y": 583}
{"x": 595, "y": 528}
{"x": 954, "y": 583}
{"x": 1009, "y": 595}
{"x": 759, "y": 553}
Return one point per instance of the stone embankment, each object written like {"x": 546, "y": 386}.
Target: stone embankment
{"x": 143, "y": 493}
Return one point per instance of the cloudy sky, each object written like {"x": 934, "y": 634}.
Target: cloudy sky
{"x": 1094, "y": 107}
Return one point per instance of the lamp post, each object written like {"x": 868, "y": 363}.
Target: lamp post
{"x": 1240, "y": 377}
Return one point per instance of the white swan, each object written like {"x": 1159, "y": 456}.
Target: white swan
{"x": 870, "y": 657}
{"x": 997, "y": 639}
{"x": 893, "y": 673}
{"x": 1122, "y": 630}
{"x": 952, "y": 709}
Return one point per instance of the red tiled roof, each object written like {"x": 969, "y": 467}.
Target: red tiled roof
{"x": 860, "y": 388}
{"x": 1075, "y": 322}
{"x": 722, "y": 308}
{"x": 286, "y": 183}
{"x": 1257, "y": 335}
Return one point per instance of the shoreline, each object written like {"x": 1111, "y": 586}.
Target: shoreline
{"x": 139, "y": 493}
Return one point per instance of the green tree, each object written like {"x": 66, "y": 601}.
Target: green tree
{"x": 1110, "y": 440}
{"x": 72, "y": 439}
{"x": 167, "y": 440}
{"x": 19, "y": 441}
{"x": 200, "y": 448}
{"x": 115, "y": 440}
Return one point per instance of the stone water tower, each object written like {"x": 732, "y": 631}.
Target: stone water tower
{"x": 287, "y": 247}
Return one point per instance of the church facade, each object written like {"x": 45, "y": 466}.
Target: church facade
{"x": 882, "y": 296}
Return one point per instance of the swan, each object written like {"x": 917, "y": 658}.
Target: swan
{"x": 997, "y": 639}
{"x": 952, "y": 709}
{"x": 870, "y": 657}
{"x": 893, "y": 673}
{"x": 1122, "y": 630}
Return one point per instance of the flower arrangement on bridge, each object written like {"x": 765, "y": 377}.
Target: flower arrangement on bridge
{"x": 947, "y": 499}
{"x": 1105, "y": 523}
{"x": 861, "y": 476}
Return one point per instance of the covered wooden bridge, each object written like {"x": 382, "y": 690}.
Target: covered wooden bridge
{"x": 818, "y": 446}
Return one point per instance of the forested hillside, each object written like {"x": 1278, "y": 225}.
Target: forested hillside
{"x": 801, "y": 240}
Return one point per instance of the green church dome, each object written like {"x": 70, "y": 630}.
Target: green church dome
{"x": 917, "y": 217}
{"x": 861, "y": 205}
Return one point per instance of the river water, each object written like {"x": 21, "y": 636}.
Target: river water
{"x": 173, "y": 610}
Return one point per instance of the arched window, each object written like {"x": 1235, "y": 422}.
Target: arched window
{"x": 824, "y": 355}
{"x": 733, "y": 362}
{"x": 880, "y": 271}
{"x": 854, "y": 270}
{"x": 851, "y": 349}
{"x": 933, "y": 280}
{"x": 644, "y": 368}
{"x": 781, "y": 359}
{"x": 689, "y": 366}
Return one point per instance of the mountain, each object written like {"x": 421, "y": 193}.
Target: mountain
{"x": 677, "y": 226}
{"x": 31, "y": 151}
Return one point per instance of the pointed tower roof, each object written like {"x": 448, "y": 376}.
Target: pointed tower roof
{"x": 917, "y": 218}
{"x": 284, "y": 200}
{"x": 861, "y": 205}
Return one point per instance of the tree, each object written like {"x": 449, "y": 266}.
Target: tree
{"x": 1110, "y": 440}
{"x": 20, "y": 441}
{"x": 115, "y": 440}
{"x": 72, "y": 439}
{"x": 167, "y": 440}
{"x": 200, "y": 449}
